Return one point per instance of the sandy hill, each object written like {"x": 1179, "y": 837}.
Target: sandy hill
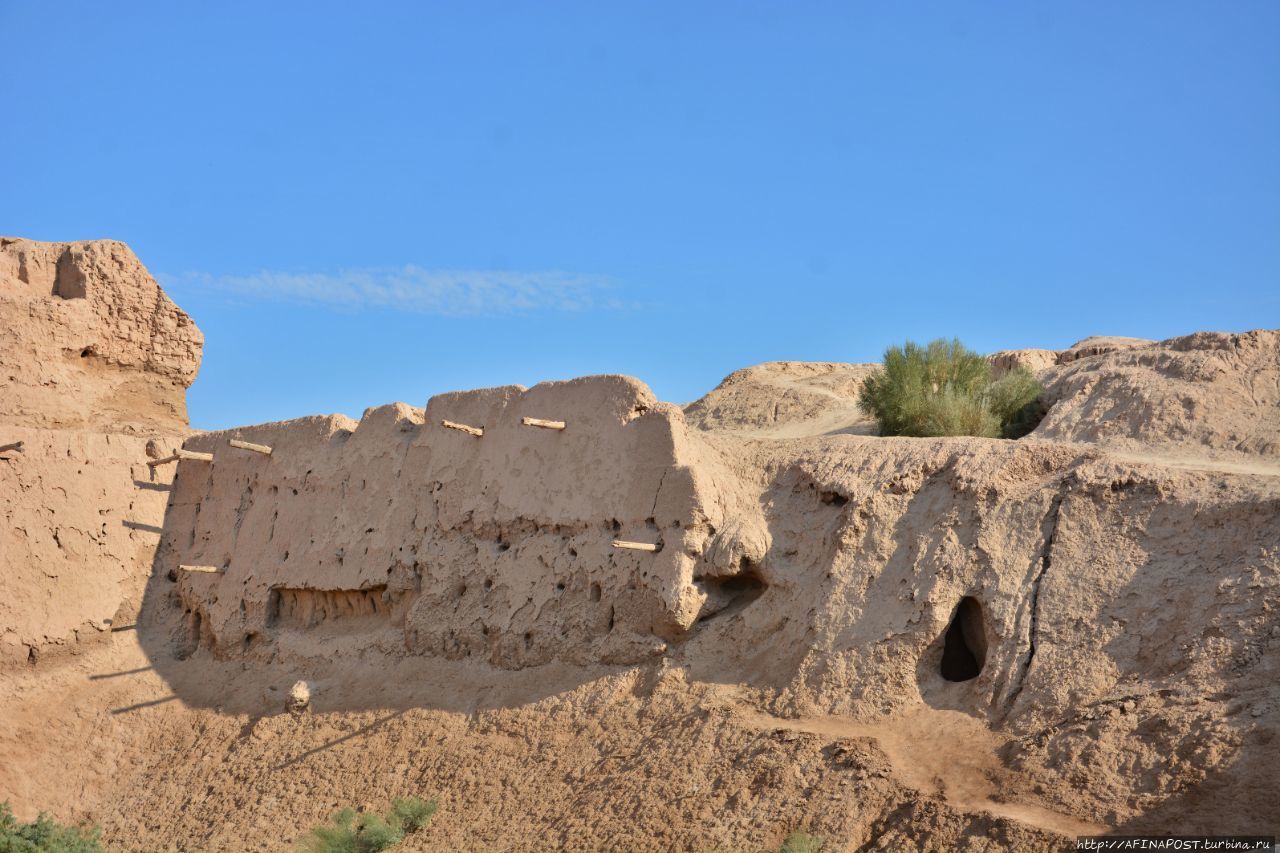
{"x": 894, "y": 643}
{"x": 786, "y": 399}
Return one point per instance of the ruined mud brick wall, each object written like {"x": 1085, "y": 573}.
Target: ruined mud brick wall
{"x": 95, "y": 361}
{"x": 90, "y": 341}
{"x": 403, "y": 535}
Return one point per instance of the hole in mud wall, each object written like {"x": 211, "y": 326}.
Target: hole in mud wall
{"x": 728, "y": 595}
{"x": 188, "y": 636}
{"x": 273, "y": 604}
{"x": 69, "y": 282}
{"x": 832, "y": 498}
{"x": 964, "y": 650}
{"x": 291, "y": 608}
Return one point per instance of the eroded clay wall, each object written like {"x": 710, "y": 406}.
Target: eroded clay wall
{"x": 95, "y": 361}
{"x": 90, "y": 340}
{"x": 401, "y": 535}
{"x": 80, "y": 516}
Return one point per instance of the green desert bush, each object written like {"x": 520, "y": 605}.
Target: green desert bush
{"x": 1015, "y": 399}
{"x": 44, "y": 835}
{"x": 348, "y": 832}
{"x": 801, "y": 842}
{"x": 945, "y": 388}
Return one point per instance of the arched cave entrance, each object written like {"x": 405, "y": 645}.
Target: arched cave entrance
{"x": 964, "y": 648}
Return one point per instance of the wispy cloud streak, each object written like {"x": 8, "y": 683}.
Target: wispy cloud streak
{"x": 412, "y": 288}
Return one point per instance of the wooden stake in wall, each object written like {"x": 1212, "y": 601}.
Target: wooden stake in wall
{"x": 469, "y": 430}
{"x": 204, "y": 570}
{"x": 635, "y": 546}
{"x": 248, "y": 445}
{"x": 17, "y": 445}
{"x": 539, "y": 422}
{"x": 179, "y": 453}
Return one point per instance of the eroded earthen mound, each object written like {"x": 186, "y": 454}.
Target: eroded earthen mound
{"x": 1205, "y": 395}
{"x": 786, "y": 399}
{"x": 891, "y": 642}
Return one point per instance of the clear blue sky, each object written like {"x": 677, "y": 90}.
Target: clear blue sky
{"x": 362, "y": 203}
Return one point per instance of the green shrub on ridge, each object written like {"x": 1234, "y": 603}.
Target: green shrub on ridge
{"x": 44, "y": 835}
{"x": 800, "y": 841}
{"x": 348, "y": 832}
{"x": 946, "y": 389}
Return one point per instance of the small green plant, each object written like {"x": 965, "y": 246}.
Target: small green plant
{"x": 44, "y": 835}
{"x": 348, "y": 832}
{"x": 412, "y": 813}
{"x": 944, "y": 388}
{"x": 801, "y": 842}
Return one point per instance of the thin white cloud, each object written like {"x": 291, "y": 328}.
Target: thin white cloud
{"x": 412, "y": 288}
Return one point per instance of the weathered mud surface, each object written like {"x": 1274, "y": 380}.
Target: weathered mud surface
{"x": 95, "y": 361}
{"x": 895, "y": 643}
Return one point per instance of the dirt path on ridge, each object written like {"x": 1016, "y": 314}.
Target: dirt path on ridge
{"x": 936, "y": 752}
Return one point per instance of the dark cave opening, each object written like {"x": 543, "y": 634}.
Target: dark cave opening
{"x": 729, "y": 595}
{"x": 964, "y": 649}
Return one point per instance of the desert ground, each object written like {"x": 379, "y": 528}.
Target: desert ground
{"x": 590, "y": 619}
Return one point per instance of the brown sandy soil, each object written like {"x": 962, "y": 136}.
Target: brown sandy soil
{"x": 633, "y": 758}
{"x": 1108, "y": 589}
{"x": 944, "y": 754}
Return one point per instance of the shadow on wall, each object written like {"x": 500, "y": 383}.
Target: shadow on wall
{"x": 1214, "y": 626}
{"x": 368, "y": 668}
{"x": 1242, "y": 788}
{"x": 1193, "y": 714}
{"x": 350, "y": 647}
{"x": 367, "y": 676}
